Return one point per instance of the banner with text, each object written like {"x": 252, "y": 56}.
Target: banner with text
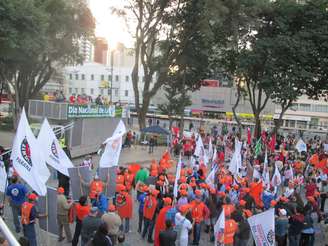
{"x": 93, "y": 111}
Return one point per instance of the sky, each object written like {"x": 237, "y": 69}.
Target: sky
{"x": 108, "y": 25}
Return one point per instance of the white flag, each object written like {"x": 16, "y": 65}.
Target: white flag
{"x": 235, "y": 163}
{"x": 27, "y": 158}
{"x": 214, "y": 155}
{"x": 200, "y": 150}
{"x": 3, "y": 177}
{"x": 265, "y": 175}
{"x": 210, "y": 149}
{"x": 54, "y": 155}
{"x": 211, "y": 177}
{"x": 262, "y": 226}
{"x": 177, "y": 177}
{"x": 113, "y": 148}
{"x": 219, "y": 227}
{"x": 301, "y": 146}
{"x": 276, "y": 178}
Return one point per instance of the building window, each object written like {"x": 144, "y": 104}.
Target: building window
{"x": 77, "y": 76}
{"x": 92, "y": 77}
{"x": 70, "y": 76}
{"x": 77, "y": 90}
{"x": 83, "y": 77}
{"x": 302, "y": 124}
{"x": 305, "y": 107}
{"x": 127, "y": 78}
{"x": 101, "y": 91}
{"x": 109, "y": 92}
{"x": 91, "y": 91}
{"x": 126, "y": 93}
{"x": 102, "y": 77}
{"x": 117, "y": 78}
{"x": 82, "y": 90}
{"x": 70, "y": 90}
{"x": 109, "y": 77}
{"x": 116, "y": 92}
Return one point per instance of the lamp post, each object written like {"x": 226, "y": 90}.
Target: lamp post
{"x": 112, "y": 74}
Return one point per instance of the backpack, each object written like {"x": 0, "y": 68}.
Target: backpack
{"x": 170, "y": 214}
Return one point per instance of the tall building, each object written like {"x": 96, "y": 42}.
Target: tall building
{"x": 101, "y": 51}
{"x": 86, "y": 49}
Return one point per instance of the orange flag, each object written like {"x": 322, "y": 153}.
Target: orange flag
{"x": 322, "y": 164}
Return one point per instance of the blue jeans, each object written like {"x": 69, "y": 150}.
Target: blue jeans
{"x": 126, "y": 226}
{"x": 294, "y": 240}
{"x": 197, "y": 229}
{"x": 29, "y": 233}
{"x": 148, "y": 227}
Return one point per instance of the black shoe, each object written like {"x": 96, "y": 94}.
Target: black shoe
{"x": 150, "y": 240}
{"x": 18, "y": 230}
{"x": 139, "y": 230}
{"x": 61, "y": 239}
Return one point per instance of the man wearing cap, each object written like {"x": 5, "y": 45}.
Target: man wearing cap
{"x": 82, "y": 209}
{"x": 160, "y": 221}
{"x": 17, "y": 194}
{"x": 28, "y": 217}
{"x": 63, "y": 207}
{"x": 141, "y": 199}
{"x": 183, "y": 225}
{"x": 149, "y": 211}
{"x": 281, "y": 227}
{"x": 90, "y": 225}
{"x": 199, "y": 213}
{"x": 124, "y": 205}
{"x": 113, "y": 222}
{"x": 96, "y": 186}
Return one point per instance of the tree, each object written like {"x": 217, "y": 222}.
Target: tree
{"x": 233, "y": 24}
{"x": 37, "y": 36}
{"x": 162, "y": 38}
{"x": 175, "y": 104}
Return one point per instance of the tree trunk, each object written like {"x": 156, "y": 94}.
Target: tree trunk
{"x": 278, "y": 123}
{"x": 235, "y": 107}
{"x": 142, "y": 118}
{"x": 257, "y": 130}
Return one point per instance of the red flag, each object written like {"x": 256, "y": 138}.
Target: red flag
{"x": 322, "y": 164}
{"x": 249, "y": 136}
{"x": 272, "y": 142}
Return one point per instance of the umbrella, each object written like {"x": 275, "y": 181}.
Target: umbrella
{"x": 155, "y": 130}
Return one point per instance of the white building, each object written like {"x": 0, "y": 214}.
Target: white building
{"x": 95, "y": 79}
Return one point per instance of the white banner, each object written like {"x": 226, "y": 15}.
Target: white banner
{"x": 27, "y": 158}
{"x": 3, "y": 177}
{"x": 265, "y": 175}
{"x": 113, "y": 148}
{"x": 219, "y": 227}
{"x": 262, "y": 227}
{"x": 301, "y": 146}
{"x": 235, "y": 163}
{"x": 53, "y": 153}
{"x": 177, "y": 177}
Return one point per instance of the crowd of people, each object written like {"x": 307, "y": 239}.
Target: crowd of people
{"x": 178, "y": 211}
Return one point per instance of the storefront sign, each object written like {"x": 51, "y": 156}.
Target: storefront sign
{"x": 87, "y": 111}
{"x": 212, "y": 103}
{"x": 210, "y": 83}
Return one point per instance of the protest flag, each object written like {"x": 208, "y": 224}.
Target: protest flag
{"x": 27, "y": 159}
{"x": 54, "y": 155}
{"x": 177, "y": 177}
{"x": 113, "y": 148}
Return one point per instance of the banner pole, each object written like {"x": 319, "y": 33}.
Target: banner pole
{"x": 81, "y": 189}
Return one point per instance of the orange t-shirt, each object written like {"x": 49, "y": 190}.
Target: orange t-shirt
{"x": 96, "y": 187}
{"x": 199, "y": 211}
{"x": 230, "y": 228}
{"x": 81, "y": 211}
{"x": 150, "y": 207}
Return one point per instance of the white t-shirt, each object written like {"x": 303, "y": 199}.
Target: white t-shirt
{"x": 185, "y": 228}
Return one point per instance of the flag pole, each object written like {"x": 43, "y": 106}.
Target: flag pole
{"x": 47, "y": 220}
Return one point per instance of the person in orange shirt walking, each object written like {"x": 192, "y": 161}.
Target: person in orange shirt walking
{"x": 199, "y": 213}
{"x": 82, "y": 209}
{"x": 124, "y": 205}
{"x": 149, "y": 212}
{"x": 96, "y": 186}
{"x": 230, "y": 228}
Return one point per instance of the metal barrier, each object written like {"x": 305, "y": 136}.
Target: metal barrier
{"x": 7, "y": 234}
